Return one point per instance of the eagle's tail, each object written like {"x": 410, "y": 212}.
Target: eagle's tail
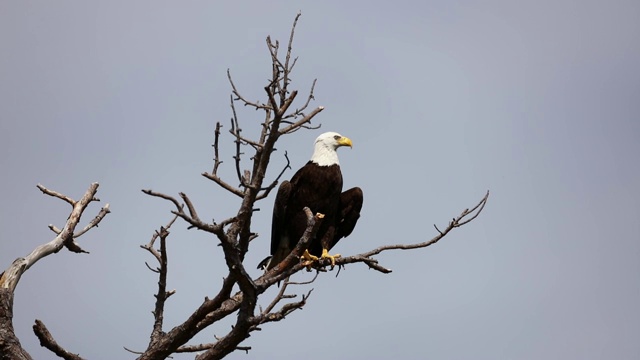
{"x": 264, "y": 264}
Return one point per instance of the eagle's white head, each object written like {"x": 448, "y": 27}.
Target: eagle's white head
{"x": 324, "y": 151}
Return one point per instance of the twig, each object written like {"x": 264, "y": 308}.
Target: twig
{"x": 235, "y": 131}
{"x": 285, "y": 310}
{"x": 216, "y": 154}
{"x": 54, "y": 229}
{"x": 277, "y": 298}
{"x": 223, "y": 184}
{"x": 193, "y": 221}
{"x": 309, "y": 98}
{"x": 288, "y": 69}
{"x": 277, "y": 68}
{"x": 305, "y": 282}
{"x": 275, "y": 182}
{"x": 269, "y": 89}
{"x": 240, "y": 97}
{"x": 93, "y": 223}
{"x": 155, "y": 253}
{"x": 202, "y": 347}
{"x": 192, "y": 210}
{"x": 56, "y": 194}
{"x": 194, "y": 348}
{"x": 281, "y": 294}
{"x": 133, "y": 351}
{"x": 307, "y": 118}
{"x": 164, "y": 196}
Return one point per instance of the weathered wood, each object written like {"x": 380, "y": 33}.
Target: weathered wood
{"x": 10, "y": 348}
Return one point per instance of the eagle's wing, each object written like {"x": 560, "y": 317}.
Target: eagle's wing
{"x": 350, "y": 206}
{"x": 279, "y": 248}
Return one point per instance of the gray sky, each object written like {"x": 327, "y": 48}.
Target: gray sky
{"x": 537, "y": 101}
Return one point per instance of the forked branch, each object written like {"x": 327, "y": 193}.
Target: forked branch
{"x": 192, "y": 218}
{"x": 9, "y": 345}
{"x": 64, "y": 238}
{"x": 162, "y": 295}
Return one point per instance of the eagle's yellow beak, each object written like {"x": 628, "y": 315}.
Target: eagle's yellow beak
{"x": 345, "y": 141}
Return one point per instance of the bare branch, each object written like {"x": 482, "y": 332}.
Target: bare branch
{"x": 194, "y": 348}
{"x": 269, "y": 89}
{"x": 281, "y": 294}
{"x": 54, "y": 229}
{"x": 11, "y": 276}
{"x": 235, "y": 131}
{"x": 192, "y": 210}
{"x": 47, "y": 341}
{"x": 288, "y": 69}
{"x": 223, "y": 184}
{"x": 240, "y": 97}
{"x": 277, "y": 69}
{"x": 133, "y": 351}
{"x": 56, "y": 194}
{"x": 164, "y": 196}
{"x": 155, "y": 253}
{"x": 149, "y": 247}
{"x": 216, "y": 153}
{"x": 93, "y": 223}
{"x": 305, "y": 282}
{"x": 202, "y": 347}
{"x": 465, "y": 217}
{"x": 287, "y": 102}
{"x": 277, "y": 298}
{"x": 309, "y": 98}
{"x": 194, "y": 221}
{"x": 162, "y": 293}
{"x": 306, "y": 119}
{"x": 275, "y": 182}
{"x": 479, "y": 207}
{"x": 285, "y": 310}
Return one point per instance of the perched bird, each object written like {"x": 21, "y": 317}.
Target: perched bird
{"x": 318, "y": 186}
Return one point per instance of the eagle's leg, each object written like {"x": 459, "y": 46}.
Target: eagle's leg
{"x": 325, "y": 255}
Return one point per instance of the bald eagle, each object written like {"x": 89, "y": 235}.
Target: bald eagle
{"x": 317, "y": 185}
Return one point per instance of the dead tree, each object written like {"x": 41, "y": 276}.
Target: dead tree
{"x": 234, "y": 235}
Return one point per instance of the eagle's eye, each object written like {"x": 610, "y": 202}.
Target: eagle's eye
{"x": 336, "y": 137}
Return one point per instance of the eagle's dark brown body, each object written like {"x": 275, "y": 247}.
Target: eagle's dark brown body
{"x": 320, "y": 189}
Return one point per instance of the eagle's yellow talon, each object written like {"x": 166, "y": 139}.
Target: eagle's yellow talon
{"x": 308, "y": 259}
{"x": 325, "y": 255}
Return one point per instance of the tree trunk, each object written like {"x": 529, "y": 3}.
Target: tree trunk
{"x": 10, "y": 348}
